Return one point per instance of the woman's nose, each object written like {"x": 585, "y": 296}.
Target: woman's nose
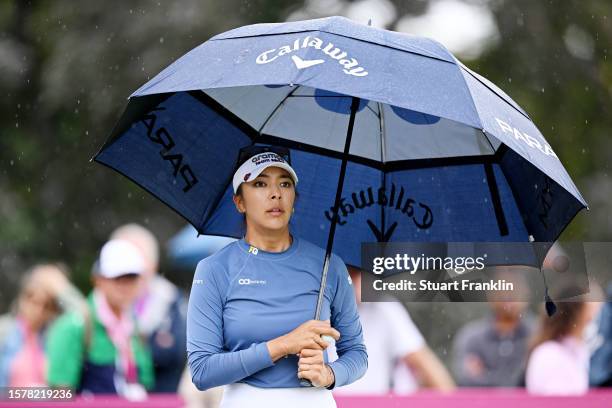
{"x": 276, "y": 192}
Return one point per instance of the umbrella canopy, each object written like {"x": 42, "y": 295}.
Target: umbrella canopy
{"x": 438, "y": 153}
{"x": 186, "y": 250}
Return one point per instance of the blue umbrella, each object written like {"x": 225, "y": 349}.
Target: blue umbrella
{"x": 392, "y": 137}
{"x": 186, "y": 249}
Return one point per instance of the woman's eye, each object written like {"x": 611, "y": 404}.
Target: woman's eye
{"x": 286, "y": 184}
{"x": 259, "y": 184}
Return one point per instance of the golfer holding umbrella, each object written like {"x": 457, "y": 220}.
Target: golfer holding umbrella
{"x": 249, "y": 318}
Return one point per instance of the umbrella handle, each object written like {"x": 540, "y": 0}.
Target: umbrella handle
{"x": 305, "y": 382}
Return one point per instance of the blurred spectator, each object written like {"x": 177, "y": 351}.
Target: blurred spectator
{"x": 395, "y": 347}
{"x": 45, "y": 291}
{"x": 491, "y": 352}
{"x": 559, "y": 361}
{"x": 161, "y": 311}
{"x": 194, "y": 398}
{"x": 600, "y": 374}
{"x": 100, "y": 351}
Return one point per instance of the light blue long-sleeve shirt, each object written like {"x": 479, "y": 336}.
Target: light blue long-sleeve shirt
{"x": 242, "y": 297}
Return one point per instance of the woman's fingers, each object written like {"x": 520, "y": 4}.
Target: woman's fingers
{"x": 311, "y": 360}
{"x": 330, "y": 331}
{"x": 309, "y": 374}
{"x": 306, "y": 367}
{"x": 322, "y": 344}
{"x": 314, "y": 343}
{"x": 309, "y": 356}
{"x": 315, "y": 376}
{"x": 311, "y": 353}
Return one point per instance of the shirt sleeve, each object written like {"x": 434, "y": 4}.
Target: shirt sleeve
{"x": 210, "y": 364}
{"x": 352, "y": 361}
{"x": 404, "y": 336}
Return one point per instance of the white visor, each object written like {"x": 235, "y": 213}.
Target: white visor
{"x": 258, "y": 163}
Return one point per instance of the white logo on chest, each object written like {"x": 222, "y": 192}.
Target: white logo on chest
{"x": 248, "y": 281}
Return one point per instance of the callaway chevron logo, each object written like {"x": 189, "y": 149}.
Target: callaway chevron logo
{"x": 350, "y": 66}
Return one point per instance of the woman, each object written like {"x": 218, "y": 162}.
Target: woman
{"x": 559, "y": 361}
{"x": 45, "y": 291}
{"x": 249, "y": 316}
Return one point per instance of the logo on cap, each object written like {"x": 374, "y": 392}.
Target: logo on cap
{"x": 246, "y": 176}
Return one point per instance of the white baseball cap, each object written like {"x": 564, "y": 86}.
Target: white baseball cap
{"x": 258, "y": 163}
{"x": 119, "y": 257}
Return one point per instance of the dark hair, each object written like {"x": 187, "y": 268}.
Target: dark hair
{"x": 247, "y": 152}
{"x": 560, "y": 324}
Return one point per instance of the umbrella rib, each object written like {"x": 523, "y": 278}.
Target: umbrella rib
{"x": 488, "y": 140}
{"x": 276, "y": 109}
{"x": 383, "y": 159}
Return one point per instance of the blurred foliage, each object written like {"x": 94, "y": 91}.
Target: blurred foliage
{"x": 67, "y": 68}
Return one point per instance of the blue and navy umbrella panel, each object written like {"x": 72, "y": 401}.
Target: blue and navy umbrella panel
{"x": 438, "y": 153}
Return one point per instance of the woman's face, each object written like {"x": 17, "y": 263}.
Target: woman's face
{"x": 120, "y": 292}
{"x": 36, "y": 306}
{"x": 268, "y": 199}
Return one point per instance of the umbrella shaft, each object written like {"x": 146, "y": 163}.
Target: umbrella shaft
{"x": 332, "y": 230}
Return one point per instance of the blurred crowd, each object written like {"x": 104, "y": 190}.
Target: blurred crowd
{"x": 127, "y": 337}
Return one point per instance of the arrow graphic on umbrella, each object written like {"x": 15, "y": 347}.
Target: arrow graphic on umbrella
{"x": 301, "y": 64}
{"x": 380, "y": 234}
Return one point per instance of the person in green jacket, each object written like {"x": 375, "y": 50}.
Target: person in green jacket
{"x": 100, "y": 351}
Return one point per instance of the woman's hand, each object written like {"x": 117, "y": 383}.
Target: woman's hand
{"x": 312, "y": 367}
{"x": 305, "y": 336}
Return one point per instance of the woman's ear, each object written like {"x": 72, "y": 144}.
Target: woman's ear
{"x": 238, "y": 202}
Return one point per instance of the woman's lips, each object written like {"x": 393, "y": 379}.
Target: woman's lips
{"x": 275, "y": 211}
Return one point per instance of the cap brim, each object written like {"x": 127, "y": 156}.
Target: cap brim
{"x": 118, "y": 274}
{"x": 276, "y": 164}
